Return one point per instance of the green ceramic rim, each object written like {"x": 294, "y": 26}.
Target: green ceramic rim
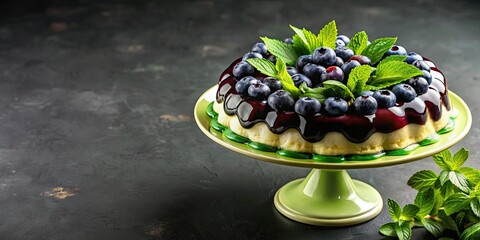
{"x": 229, "y": 134}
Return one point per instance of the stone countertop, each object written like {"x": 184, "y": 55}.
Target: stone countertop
{"x": 97, "y": 137}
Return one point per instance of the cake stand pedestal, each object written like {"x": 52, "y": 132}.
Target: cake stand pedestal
{"x": 328, "y": 196}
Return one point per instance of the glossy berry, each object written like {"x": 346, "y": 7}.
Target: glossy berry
{"x": 412, "y": 57}
{"x": 259, "y": 91}
{"x": 291, "y": 70}
{"x": 366, "y": 93}
{"x": 342, "y": 39}
{"x": 420, "y": 84}
{"x": 344, "y": 53}
{"x": 385, "y": 98}
{"x": 302, "y": 60}
{"x": 363, "y": 60}
{"x": 307, "y": 106}
{"x": 339, "y": 43}
{"x": 288, "y": 41}
{"x": 281, "y": 100}
{"x": 338, "y": 62}
{"x": 243, "y": 69}
{"x": 332, "y": 73}
{"x": 365, "y": 104}
{"x": 324, "y": 56}
{"x": 261, "y": 48}
{"x": 422, "y": 65}
{"x": 272, "y": 59}
{"x": 273, "y": 83}
{"x": 404, "y": 92}
{"x": 251, "y": 55}
{"x": 335, "y": 106}
{"x": 299, "y": 78}
{"x": 242, "y": 85}
{"x": 428, "y": 76}
{"x": 396, "y": 50}
{"x": 314, "y": 72}
{"x": 348, "y": 66}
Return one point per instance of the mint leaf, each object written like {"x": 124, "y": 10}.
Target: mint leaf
{"x": 459, "y": 158}
{"x": 388, "y": 229}
{"x": 281, "y": 50}
{"x": 409, "y": 211}
{"x": 394, "y": 210}
{"x": 378, "y": 48}
{"x": 358, "y": 42}
{"x": 442, "y": 178}
{"x": 443, "y": 159}
{"x": 447, "y": 221}
{"x": 317, "y": 93}
{"x": 307, "y": 38}
{"x": 475, "y": 206}
{"x": 447, "y": 189}
{"x": 471, "y": 233}
{"x": 264, "y": 66}
{"x": 335, "y": 88}
{"x": 328, "y": 35}
{"x": 286, "y": 79}
{"x": 358, "y": 78}
{"x": 422, "y": 179}
{"x": 404, "y": 231}
{"x": 299, "y": 46}
{"x": 456, "y": 202}
{"x": 459, "y": 180}
{"x": 435, "y": 228}
{"x": 390, "y": 58}
{"x": 313, "y": 41}
{"x": 392, "y": 73}
{"x": 472, "y": 174}
{"x": 425, "y": 201}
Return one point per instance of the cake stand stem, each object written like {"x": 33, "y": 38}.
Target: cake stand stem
{"x": 328, "y": 198}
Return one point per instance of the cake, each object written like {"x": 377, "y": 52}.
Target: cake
{"x": 331, "y": 95}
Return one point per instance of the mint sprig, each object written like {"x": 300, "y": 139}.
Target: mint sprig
{"x": 446, "y": 203}
{"x": 306, "y": 40}
{"x": 358, "y": 79}
{"x": 358, "y": 42}
{"x": 391, "y": 73}
{"x": 279, "y": 71}
{"x": 378, "y": 48}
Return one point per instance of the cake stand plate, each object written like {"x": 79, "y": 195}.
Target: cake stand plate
{"x": 328, "y": 196}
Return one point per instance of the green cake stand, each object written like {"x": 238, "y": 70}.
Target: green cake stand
{"x": 328, "y": 196}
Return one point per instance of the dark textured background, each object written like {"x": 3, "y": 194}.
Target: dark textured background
{"x": 97, "y": 139}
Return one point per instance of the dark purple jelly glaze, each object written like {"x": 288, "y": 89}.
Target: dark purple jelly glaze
{"x": 356, "y": 128}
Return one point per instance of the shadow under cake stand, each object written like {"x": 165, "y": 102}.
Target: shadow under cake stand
{"x": 328, "y": 196}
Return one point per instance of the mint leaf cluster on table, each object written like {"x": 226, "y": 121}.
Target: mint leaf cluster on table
{"x": 331, "y": 74}
{"x": 447, "y": 204}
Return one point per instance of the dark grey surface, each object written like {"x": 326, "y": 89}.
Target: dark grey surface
{"x": 97, "y": 139}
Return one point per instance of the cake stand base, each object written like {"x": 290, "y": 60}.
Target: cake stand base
{"x": 328, "y": 198}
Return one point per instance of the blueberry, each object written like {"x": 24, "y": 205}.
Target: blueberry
{"x": 259, "y": 91}
{"x": 332, "y": 73}
{"x": 363, "y": 60}
{"x": 299, "y": 78}
{"x": 335, "y": 106}
{"x": 348, "y": 66}
{"x": 385, "y": 98}
{"x": 422, "y": 65}
{"x": 272, "y": 59}
{"x": 428, "y": 76}
{"x": 338, "y": 62}
{"x": 365, "y": 104}
{"x": 302, "y": 60}
{"x": 260, "y": 47}
{"x": 420, "y": 84}
{"x": 344, "y": 39}
{"x": 339, "y": 43}
{"x": 307, "y": 106}
{"x": 344, "y": 53}
{"x": 242, "y": 85}
{"x": 324, "y": 56}
{"x": 404, "y": 92}
{"x": 288, "y": 41}
{"x": 243, "y": 69}
{"x": 291, "y": 70}
{"x": 396, "y": 50}
{"x": 273, "y": 83}
{"x": 251, "y": 55}
{"x": 412, "y": 57}
{"x": 314, "y": 72}
{"x": 366, "y": 93}
{"x": 281, "y": 100}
